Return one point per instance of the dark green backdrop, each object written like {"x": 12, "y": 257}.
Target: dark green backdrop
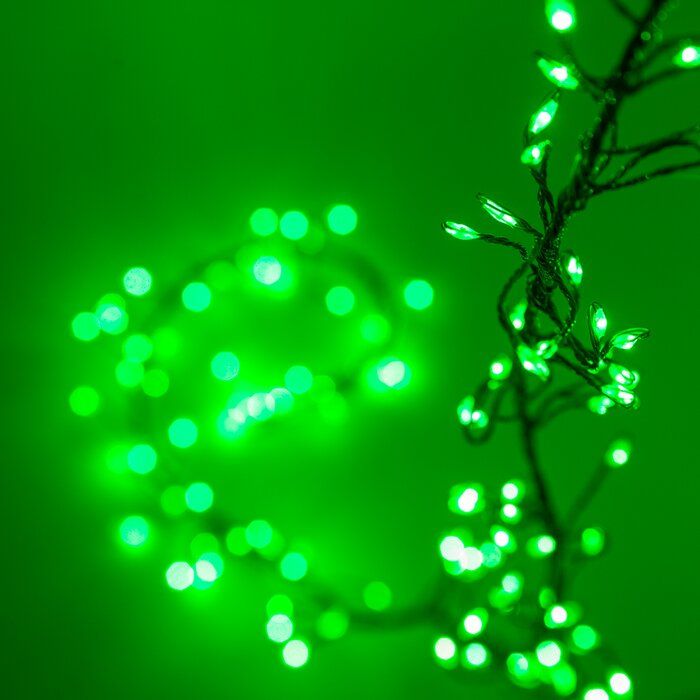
{"x": 145, "y": 132}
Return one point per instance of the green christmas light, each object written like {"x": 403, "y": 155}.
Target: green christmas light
{"x": 377, "y": 596}
{"x": 225, "y": 366}
{"x": 199, "y": 497}
{"x": 279, "y": 628}
{"x": 513, "y": 491}
{"x": 543, "y": 117}
{"x": 85, "y": 326}
{"x": 600, "y": 404}
{"x": 179, "y": 576}
{"x": 183, "y": 433}
{"x": 445, "y": 651}
{"x": 129, "y": 374}
{"x": 461, "y": 232}
{"x": 532, "y": 362}
{"x": 475, "y": 621}
{"x": 466, "y": 499}
{"x": 476, "y": 655}
{"x": 584, "y": 639}
{"x": 451, "y": 548}
{"x": 501, "y": 214}
{"x": 332, "y": 624}
{"x": 294, "y": 566}
{"x": 503, "y": 538}
{"x": 196, "y": 296}
{"x": 688, "y": 57}
{"x": 618, "y": 453}
{"x": 573, "y": 268}
{"x": 561, "y": 14}
{"x": 375, "y": 329}
{"x": 267, "y": 270}
{"x": 620, "y": 683}
{"x": 541, "y": 546}
{"x": 558, "y": 73}
{"x": 138, "y": 348}
{"x": 259, "y": 534}
{"x": 155, "y": 383}
{"x": 547, "y": 348}
{"x": 624, "y": 377}
{"x": 517, "y": 315}
{"x": 564, "y": 679}
{"x": 134, "y": 531}
{"x": 142, "y": 459}
{"x": 549, "y": 653}
{"x": 510, "y": 513}
{"x": 340, "y": 301}
{"x": 501, "y": 368}
{"x": 595, "y": 693}
{"x": 295, "y": 653}
{"x": 84, "y": 401}
{"x": 561, "y": 615}
{"x": 534, "y": 154}
{"x": 625, "y": 340}
{"x": 393, "y": 373}
{"x": 263, "y": 221}
{"x": 597, "y": 323}
{"x": 592, "y": 541}
{"x": 619, "y": 394}
{"x": 298, "y": 379}
{"x": 342, "y": 219}
{"x": 138, "y": 281}
{"x": 418, "y": 294}
{"x": 294, "y": 225}
{"x": 111, "y": 314}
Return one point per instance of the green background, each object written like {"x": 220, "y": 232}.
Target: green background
{"x": 145, "y": 133}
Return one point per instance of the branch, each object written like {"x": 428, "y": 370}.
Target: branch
{"x": 625, "y": 11}
{"x": 647, "y": 177}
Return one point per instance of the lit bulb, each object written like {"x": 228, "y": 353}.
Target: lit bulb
{"x": 573, "y": 268}
{"x": 623, "y": 376}
{"x": 625, "y": 340}
{"x": 619, "y": 394}
{"x": 688, "y": 57}
{"x": 561, "y": 15}
{"x": 558, "y": 73}
{"x": 461, "y": 232}
{"x": 517, "y": 315}
{"x": 532, "y": 362}
{"x": 535, "y": 153}
{"x": 618, "y": 453}
{"x": 597, "y": 322}
{"x": 502, "y": 215}
{"x": 543, "y": 117}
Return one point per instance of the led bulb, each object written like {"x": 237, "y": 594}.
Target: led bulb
{"x": 461, "y": 232}
{"x": 543, "y": 117}
{"x": 534, "y": 154}
{"x": 561, "y": 15}
{"x": 625, "y": 340}
{"x": 574, "y": 269}
{"x": 532, "y": 362}
{"x": 558, "y": 73}
{"x": 688, "y": 57}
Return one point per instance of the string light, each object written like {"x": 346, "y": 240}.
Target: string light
{"x": 544, "y": 116}
{"x": 264, "y": 221}
{"x": 461, "y": 232}
{"x": 574, "y": 269}
{"x": 626, "y": 340}
{"x": 342, "y": 219}
{"x": 534, "y": 154}
{"x": 418, "y": 294}
{"x": 138, "y": 281}
{"x": 688, "y": 57}
{"x": 134, "y": 531}
{"x": 561, "y": 15}
{"x": 558, "y": 73}
{"x": 532, "y": 362}
{"x": 294, "y": 226}
{"x": 618, "y": 453}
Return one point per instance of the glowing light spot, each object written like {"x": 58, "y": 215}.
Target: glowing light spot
{"x": 263, "y": 221}
{"x": 279, "y": 604}
{"x": 279, "y": 628}
{"x": 451, "y": 548}
{"x": 138, "y": 348}
{"x": 199, "y": 497}
{"x": 561, "y": 15}
{"x": 541, "y": 119}
{"x": 596, "y": 694}
{"x": 445, "y": 648}
{"x": 471, "y": 559}
{"x": 511, "y": 491}
{"x": 196, "y": 296}
{"x": 584, "y": 638}
{"x": 134, "y": 530}
{"x": 542, "y": 546}
{"x": 294, "y": 566}
{"x": 225, "y": 366}
{"x": 267, "y": 270}
{"x": 111, "y": 315}
{"x": 342, "y": 219}
{"x": 476, "y": 655}
{"x": 620, "y": 683}
{"x": 393, "y": 373}
{"x": 129, "y": 373}
{"x": 206, "y": 571}
{"x": 340, "y": 301}
{"x": 183, "y": 433}
{"x": 236, "y": 541}
{"x": 510, "y": 513}
{"x": 375, "y": 329}
{"x": 294, "y": 225}
{"x": 475, "y": 622}
{"x": 172, "y": 501}
{"x": 84, "y": 401}
{"x": 259, "y": 534}
{"x": 512, "y": 583}
{"x": 179, "y": 575}
{"x": 332, "y": 624}
{"x": 548, "y": 653}
{"x": 501, "y": 538}
{"x": 468, "y": 500}
{"x": 298, "y": 379}
{"x": 688, "y": 57}
{"x": 592, "y": 541}
{"x": 377, "y": 596}
{"x": 295, "y": 653}
{"x": 142, "y": 459}
{"x": 138, "y": 281}
{"x": 618, "y": 453}
{"x": 418, "y": 294}
{"x": 85, "y": 326}
{"x": 155, "y": 383}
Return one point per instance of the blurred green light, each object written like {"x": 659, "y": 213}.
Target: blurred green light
{"x": 263, "y": 221}
{"x": 267, "y": 270}
{"x": 592, "y": 541}
{"x": 298, "y": 379}
{"x": 208, "y": 568}
{"x": 199, "y": 497}
{"x": 620, "y": 683}
{"x": 294, "y": 225}
{"x": 561, "y": 15}
{"x": 138, "y": 348}
{"x": 584, "y": 638}
{"x": 294, "y": 566}
{"x": 393, "y": 373}
{"x": 259, "y": 534}
{"x": 475, "y": 622}
{"x": 596, "y": 693}
{"x": 295, "y": 653}
{"x": 445, "y": 648}
{"x": 418, "y": 294}
{"x": 340, "y": 300}
{"x": 196, "y": 296}
{"x": 138, "y": 281}
{"x": 134, "y": 530}
{"x": 155, "y": 383}
{"x": 342, "y": 219}
{"x": 618, "y": 453}
{"x": 236, "y": 541}
{"x": 85, "y": 326}
{"x": 225, "y": 366}
{"x": 332, "y": 624}
{"x": 377, "y": 596}
{"x": 563, "y": 679}
{"x": 142, "y": 459}
{"x": 179, "y": 575}
{"x": 129, "y": 373}
{"x": 172, "y": 501}
{"x": 279, "y": 628}
{"x": 375, "y": 329}
{"x": 183, "y": 433}
{"x": 476, "y": 655}
{"x": 279, "y": 603}
{"x": 112, "y": 318}
{"x": 84, "y": 401}
{"x": 548, "y": 653}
